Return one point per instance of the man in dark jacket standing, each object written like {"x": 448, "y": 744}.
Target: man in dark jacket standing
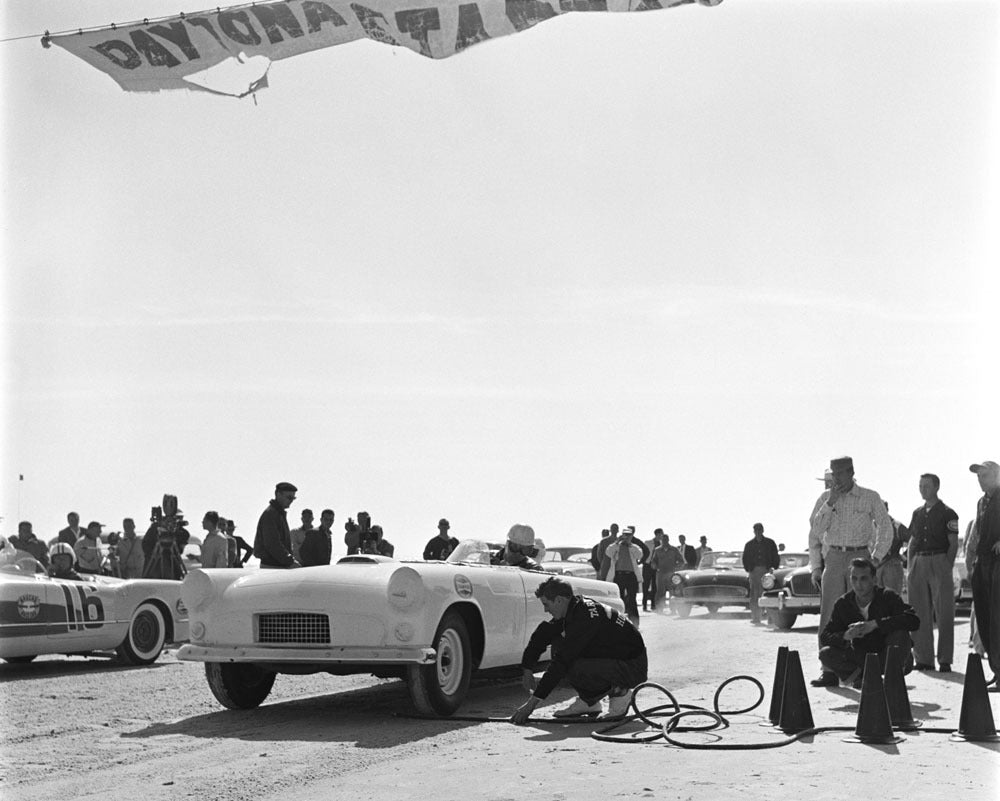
{"x": 273, "y": 542}
{"x": 596, "y": 649}
{"x": 760, "y": 555}
{"x": 867, "y": 620}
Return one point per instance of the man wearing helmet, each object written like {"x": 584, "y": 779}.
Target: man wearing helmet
{"x": 62, "y": 556}
{"x": 519, "y": 550}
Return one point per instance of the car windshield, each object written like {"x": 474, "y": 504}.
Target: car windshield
{"x": 721, "y": 559}
{"x": 475, "y": 552}
{"x": 794, "y": 559}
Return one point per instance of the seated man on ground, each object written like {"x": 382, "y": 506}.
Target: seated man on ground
{"x": 868, "y": 619}
{"x": 594, "y": 648}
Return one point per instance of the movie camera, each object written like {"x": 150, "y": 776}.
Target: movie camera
{"x": 171, "y": 536}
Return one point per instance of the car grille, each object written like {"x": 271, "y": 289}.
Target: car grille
{"x": 293, "y": 627}
{"x": 802, "y": 584}
{"x": 709, "y": 593}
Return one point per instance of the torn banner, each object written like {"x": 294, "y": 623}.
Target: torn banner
{"x": 163, "y": 54}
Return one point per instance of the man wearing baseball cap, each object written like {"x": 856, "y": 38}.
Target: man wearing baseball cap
{"x": 88, "y": 549}
{"x": 985, "y": 576}
{"x": 273, "y": 542}
{"x": 850, "y": 522}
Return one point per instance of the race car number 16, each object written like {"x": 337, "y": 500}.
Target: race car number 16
{"x": 87, "y": 612}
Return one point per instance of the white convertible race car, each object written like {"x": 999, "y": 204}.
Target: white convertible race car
{"x": 42, "y": 615}
{"x": 430, "y": 623}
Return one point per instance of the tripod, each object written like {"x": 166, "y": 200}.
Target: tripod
{"x": 166, "y": 562}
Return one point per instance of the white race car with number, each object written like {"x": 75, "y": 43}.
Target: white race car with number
{"x": 42, "y": 615}
{"x": 430, "y": 623}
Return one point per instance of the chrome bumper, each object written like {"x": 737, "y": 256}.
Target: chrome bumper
{"x": 784, "y": 601}
{"x": 360, "y": 656}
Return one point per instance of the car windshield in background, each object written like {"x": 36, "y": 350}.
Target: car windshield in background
{"x": 794, "y": 560}
{"x": 721, "y": 559}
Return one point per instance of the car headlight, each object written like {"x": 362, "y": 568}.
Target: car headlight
{"x": 197, "y": 591}
{"x": 676, "y": 580}
{"x": 405, "y": 589}
{"x": 767, "y": 581}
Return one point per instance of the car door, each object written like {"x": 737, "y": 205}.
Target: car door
{"x": 85, "y": 610}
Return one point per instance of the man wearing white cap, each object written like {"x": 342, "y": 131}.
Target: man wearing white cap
{"x": 625, "y": 570}
{"x": 986, "y": 571}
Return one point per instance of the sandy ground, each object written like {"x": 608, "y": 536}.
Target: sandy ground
{"x": 80, "y": 728}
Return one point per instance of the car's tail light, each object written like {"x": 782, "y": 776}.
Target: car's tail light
{"x": 405, "y": 589}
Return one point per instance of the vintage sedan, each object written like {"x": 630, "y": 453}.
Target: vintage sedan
{"x": 719, "y": 580}
{"x": 788, "y": 593}
{"x": 429, "y": 623}
{"x": 43, "y": 615}
{"x": 570, "y": 561}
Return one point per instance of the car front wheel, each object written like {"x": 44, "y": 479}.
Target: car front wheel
{"x": 239, "y": 685}
{"x": 18, "y": 660}
{"x": 440, "y": 687}
{"x": 781, "y": 618}
{"x": 147, "y": 632}
{"x": 683, "y": 609}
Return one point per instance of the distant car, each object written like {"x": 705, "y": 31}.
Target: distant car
{"x": 718, "y": 581}
{"x": 429, "y": 623}
{"x": 963, "y": 587}
{"x": 788, "y": 593}
{"x": 42, "y": 615}
{"x": 569, "y": 560}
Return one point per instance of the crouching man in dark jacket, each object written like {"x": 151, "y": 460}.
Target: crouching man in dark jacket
{"x": 594, "y": 648}
{"x": 867, "y": 620}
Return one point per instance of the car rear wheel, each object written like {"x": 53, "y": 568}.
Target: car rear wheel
{"x": 440, "y": 688}
{"x": 713, "y": 609}
{"x": 18, "y": 660}
{"x": 147, "y": 633}
{"x": 781, "y": 618}
{"x": 239, "y": 685}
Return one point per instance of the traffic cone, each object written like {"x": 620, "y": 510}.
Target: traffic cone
{"x": 781, "y": 663}
{"x": 975, "y": 723}
{"x": 795, "y": 715}
{"x": 874, "y": 726}
{"x": 895, "y": 692}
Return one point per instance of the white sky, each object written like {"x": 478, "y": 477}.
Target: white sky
{"x": 654, "y": 269}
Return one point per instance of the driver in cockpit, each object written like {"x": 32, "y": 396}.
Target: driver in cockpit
{"x": 61, "y": 557}
{"x": 519, "y": 550}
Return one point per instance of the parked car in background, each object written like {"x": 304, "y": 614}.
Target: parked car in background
{"x": 569, "y": 560}
{"x": 963, "y": 587}
{"x": 718, "y": 581}
{"x": 788, "y": 593}
{"x": 428, "y": 623}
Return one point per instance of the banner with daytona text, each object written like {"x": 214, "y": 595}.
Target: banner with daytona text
{"x": 164, "y": 54}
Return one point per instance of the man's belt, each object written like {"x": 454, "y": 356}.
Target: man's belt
{"x": 928, "y": 553}
{"x": 848, "y": 547}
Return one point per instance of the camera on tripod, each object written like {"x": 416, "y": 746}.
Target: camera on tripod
{"x": 171, "y": 536}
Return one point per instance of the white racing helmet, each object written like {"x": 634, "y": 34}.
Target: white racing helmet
{"x": 62, "y": 547}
